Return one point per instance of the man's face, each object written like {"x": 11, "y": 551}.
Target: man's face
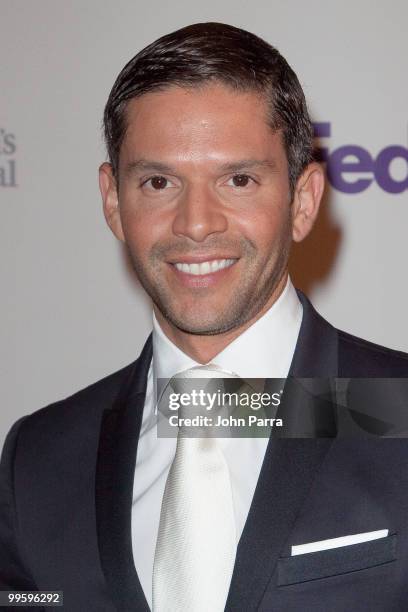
{"x": 204, "y": 205}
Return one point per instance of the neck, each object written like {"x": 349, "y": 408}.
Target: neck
{"x": 204, "y": 348}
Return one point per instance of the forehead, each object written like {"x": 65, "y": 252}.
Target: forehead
{"x": 200, "y": 123}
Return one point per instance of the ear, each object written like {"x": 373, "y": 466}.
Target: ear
{"x": 109, "y": 193}
{"x": 308, "y": 194}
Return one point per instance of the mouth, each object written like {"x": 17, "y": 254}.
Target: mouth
{"x": 201, "y": 273}
{"x": 205, "y": 267}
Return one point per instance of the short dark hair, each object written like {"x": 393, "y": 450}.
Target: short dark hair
{"x": 217, "y": 52}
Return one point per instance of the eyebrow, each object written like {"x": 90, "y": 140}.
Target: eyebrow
{"x": 145, "y": 165}
{"x": 248, "y": 164}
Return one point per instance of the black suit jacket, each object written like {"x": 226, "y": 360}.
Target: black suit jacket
{"x": 66, "y": 492}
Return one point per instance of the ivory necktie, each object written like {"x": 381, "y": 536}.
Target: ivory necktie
{"x": 196, "y": 544}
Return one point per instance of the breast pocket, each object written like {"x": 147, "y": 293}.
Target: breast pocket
{"x": 326, "y": 563}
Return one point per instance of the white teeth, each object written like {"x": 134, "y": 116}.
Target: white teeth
{"x": 206, "y": 267}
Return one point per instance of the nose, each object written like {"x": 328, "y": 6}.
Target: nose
{"x": 199, "y": 214}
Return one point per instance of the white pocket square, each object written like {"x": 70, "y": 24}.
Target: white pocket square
{"x": 357, "y": 538}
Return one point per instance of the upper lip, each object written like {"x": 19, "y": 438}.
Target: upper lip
{"x": 190, "y": 259}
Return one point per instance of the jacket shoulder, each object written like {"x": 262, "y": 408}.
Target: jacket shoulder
{"x": 362, "y": 358}
{"x": 324, "y": 350}
{"x": 79, "y": 411}
{"x": 66, "y": 431}
{"x": 80, "y": 414}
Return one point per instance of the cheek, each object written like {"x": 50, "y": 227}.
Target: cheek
{"x": 142, "y": 226}
{"x": 267, "y": 227}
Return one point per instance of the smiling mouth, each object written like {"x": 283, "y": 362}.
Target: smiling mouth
{"x": 204, "y": 267}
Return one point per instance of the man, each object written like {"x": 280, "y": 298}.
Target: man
{"x": 210, "y": 179}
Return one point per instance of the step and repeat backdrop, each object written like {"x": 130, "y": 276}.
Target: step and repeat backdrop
{"x": 71, "y": 309}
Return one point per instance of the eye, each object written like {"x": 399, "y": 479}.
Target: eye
{"x": 241, "y": 180}
{"x": 157, "y": 183}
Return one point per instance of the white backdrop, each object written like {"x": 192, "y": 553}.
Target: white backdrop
{"x": 71, "y": 311}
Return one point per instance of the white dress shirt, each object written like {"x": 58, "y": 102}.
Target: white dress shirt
{"x": 264, "y": 350}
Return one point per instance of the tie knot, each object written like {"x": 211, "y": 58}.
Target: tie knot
{"x": 196, "y": 395}
{"x": 199, "y": 381}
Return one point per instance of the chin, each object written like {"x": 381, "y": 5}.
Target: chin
{"x": 202, "y": 325}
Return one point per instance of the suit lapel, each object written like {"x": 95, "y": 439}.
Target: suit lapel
{"x": 288, "y": 469}
{"x": 116, "y": 461}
